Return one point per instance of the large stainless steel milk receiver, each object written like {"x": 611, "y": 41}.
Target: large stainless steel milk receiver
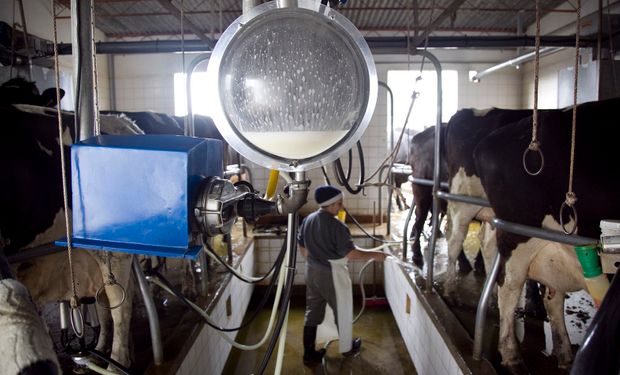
{"x": 295, "y": 85}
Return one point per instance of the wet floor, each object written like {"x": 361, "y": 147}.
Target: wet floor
{"x": 383, "y": 350}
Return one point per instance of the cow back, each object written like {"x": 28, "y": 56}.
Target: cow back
{"x": 468, "y": 127}
{"x": 517, "y": 196}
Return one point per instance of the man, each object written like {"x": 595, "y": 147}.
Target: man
{"x": 326, "y": 244}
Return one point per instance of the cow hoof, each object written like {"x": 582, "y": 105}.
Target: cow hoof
{"x": 464, "y": 265}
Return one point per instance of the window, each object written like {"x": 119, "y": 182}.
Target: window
{"x": 201, "y": 95}
{"x": 424, "y": 112}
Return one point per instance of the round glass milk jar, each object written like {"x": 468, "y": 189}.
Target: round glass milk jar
{"x": 295, "y": 86}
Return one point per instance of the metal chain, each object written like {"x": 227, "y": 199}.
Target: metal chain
{"x": 95, "y": 78}
{"x": 74, "y": 298}
{"x": 571, "y": 197}
{"x": 534, "y": 143}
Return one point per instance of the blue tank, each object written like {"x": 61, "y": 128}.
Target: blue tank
{"x": 136, "y": 194}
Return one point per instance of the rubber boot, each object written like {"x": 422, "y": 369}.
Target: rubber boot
{"x": 355, "y": 348}
{"x": 311, "y": 355}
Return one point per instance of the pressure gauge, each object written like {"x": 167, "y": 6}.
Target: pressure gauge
{"x": 295, "y": 86}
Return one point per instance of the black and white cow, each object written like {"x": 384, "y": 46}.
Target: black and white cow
{"x": 32, "y": 213}
{"x": 402, "y": 157}
{"x": 151, "y": 122}
{"x": 464, "y": 130}
{"x": 20, "y": 91}
{"x": 421, "y": 160}
{"x": 536, "y": 200}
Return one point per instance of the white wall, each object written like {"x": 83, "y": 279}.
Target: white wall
{"x": 145, "y": 82}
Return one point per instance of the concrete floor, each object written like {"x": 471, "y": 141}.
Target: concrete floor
{"x": 383, "y": 350}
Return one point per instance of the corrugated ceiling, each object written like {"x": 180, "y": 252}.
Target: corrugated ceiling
{"x": 120, "y": 19}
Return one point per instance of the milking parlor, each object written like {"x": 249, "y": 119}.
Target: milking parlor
{"x": 309, "y": 187}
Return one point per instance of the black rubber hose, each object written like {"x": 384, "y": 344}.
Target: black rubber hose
{"x": 254, "y": 314}
{"x": 283, "y": 307}
{"x": 109, "y": 360}
{"x": 233, "y": 271}
{"x": 325, "y": 175}
{"x": 357, "y": 223}
{"x": 350, "y": 166}
{"x": 340, "y": 175}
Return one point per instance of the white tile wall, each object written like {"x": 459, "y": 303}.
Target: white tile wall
{"x": 209, "y": 353}
{"x": 268, "y": 248}
{"x": 428, "y": 350}
{"x": 145, "y": 82}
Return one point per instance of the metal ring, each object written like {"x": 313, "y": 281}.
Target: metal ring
{"x": 562, "y": 220}
{"x": 102, "y": 288}
{"x": 542, "y": 160}
{"x": 72, "y": 321}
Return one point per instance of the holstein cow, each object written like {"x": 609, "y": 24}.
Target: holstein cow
{"x": 464, "y": 130}
{"x": 20, "y": 91}
{"x": 535, "y": 200}
{"x": 33, "y": 213}
{"x": 151, "y": 122}
{"x": 421, "y": 160}
{"x": 402, "y": 157}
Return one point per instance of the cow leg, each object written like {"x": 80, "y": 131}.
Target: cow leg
{"x": 459, "y": 217}
{"x": 104, "y": 323}
{"x": 557, "y": 267}
{"x": 121, "y": 316}
{"x": 509, "y": 292}
{"x": 554, "y": 303}
{"x": 423, "y": 201}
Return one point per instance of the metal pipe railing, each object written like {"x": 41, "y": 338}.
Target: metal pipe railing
{"x": 425, "y": 182}
{"x": 405, "y": 237}
{"x": 389, "y": 207}
{"x": 380, "y": 197}
{"x": 151, "y": 310}
{"x": 545, "y": 234}
{"x": 188, "y": 128}
{"x": 463, "y": 199}
{"x": 436, "y": 173}
{"x": 483, "y": 306}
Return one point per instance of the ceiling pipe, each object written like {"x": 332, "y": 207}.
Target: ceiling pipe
{"x": 448, "y": 12}
{"x": 515, "y": 62}
{"x": 246, "y": 5}
{"x": 187, "y": 22}
{"x": 83, "y": 62}
{"x": 378, "y": 45}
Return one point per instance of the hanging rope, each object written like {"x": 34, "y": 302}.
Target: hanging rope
{"x": 534, "y": 145}
{"x": 110, "y": 278}
{"x": 76, "y": 319}
{"x": 571, "y": 197}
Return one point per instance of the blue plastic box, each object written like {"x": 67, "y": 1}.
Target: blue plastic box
{"x": 136, "y": 194}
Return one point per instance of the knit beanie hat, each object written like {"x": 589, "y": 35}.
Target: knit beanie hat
{"x": 326, "y": 195}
